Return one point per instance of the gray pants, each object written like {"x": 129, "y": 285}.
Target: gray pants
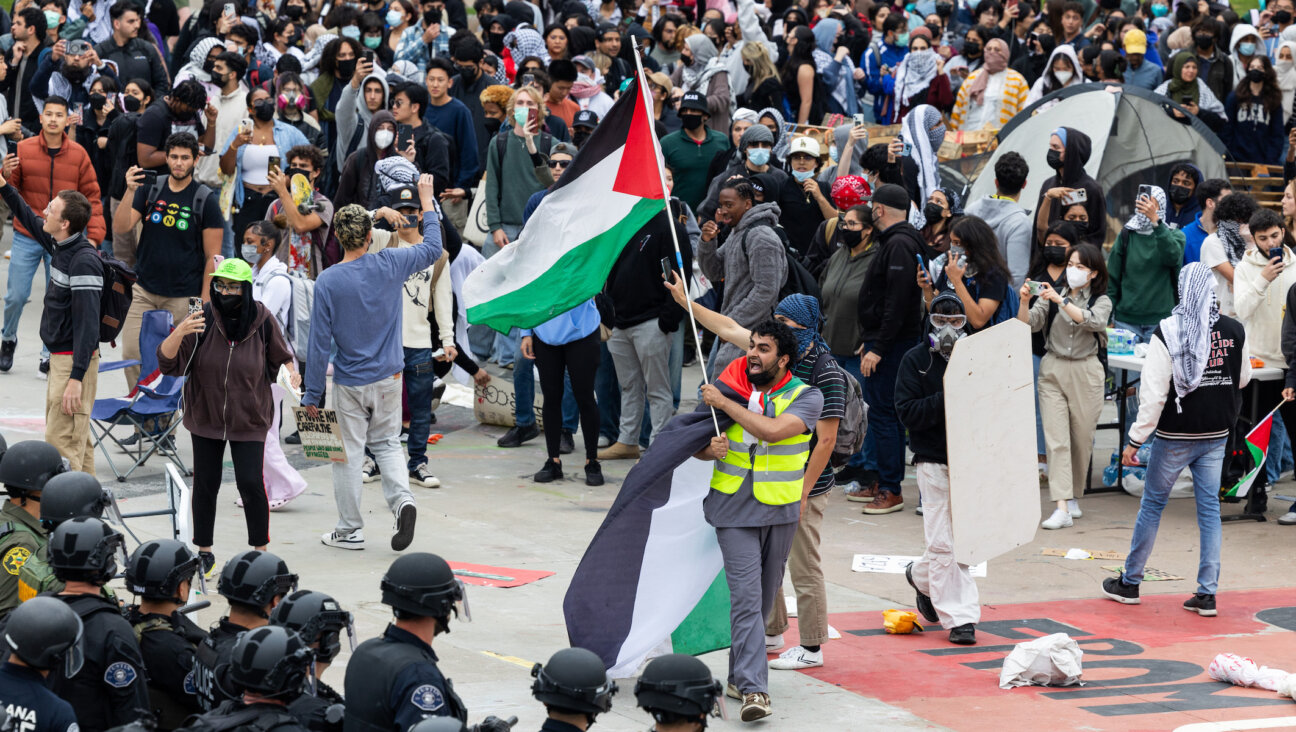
{"x": 753, "y": 560}
{"x": 641, "y": 354}
{"x": 369, "y": 416}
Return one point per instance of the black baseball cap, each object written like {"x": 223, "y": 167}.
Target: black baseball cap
{"x": 405, "y": 197}
{"x": 891, "y": 196}
{"x": 694, "y": 102}
{"x": 586, "y": 118}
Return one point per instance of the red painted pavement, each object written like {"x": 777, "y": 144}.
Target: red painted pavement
{"x": 1144, "y": 665}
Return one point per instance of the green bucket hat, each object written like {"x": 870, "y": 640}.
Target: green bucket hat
{"x": 234, "y": 269}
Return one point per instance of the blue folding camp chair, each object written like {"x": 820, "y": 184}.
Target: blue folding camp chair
{"x": 154, "y": 400}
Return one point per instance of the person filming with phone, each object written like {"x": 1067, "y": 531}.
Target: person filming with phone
{"x": 260, "y": 144}
{"x": 1144, "y": 264}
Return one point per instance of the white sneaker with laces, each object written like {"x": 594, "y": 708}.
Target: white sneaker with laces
{"x": 369, "y": 472}
{"x": 797, "y": 658}
{"x": 1073, "y": 508}
{"x": 1059, "y": 520}
{"x": 424, "y": 477}
{"x": 773, "y": 642}
{"x": 353, "y": 540}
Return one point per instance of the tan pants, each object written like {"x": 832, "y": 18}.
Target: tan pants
{"x": 1070, "y": 402}
{"x": 807, "y": 579}
{"x": 123, "y": 244}
{"x": 142, "y": 301}
{"x": 71, "y": 433}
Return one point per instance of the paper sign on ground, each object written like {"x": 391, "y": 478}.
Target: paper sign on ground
{"x": 321, "y": 437}
{"x": 896, "y": 564}
{"x": 1104, "y": 555}
{"x": 494, "y": 404}
{"x": 486, "y": 576}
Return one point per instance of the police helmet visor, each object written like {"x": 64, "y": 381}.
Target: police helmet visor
{"x": 461, "y": 605}
{"x": 73, "y": 659}
{"x": 112, "y": 512}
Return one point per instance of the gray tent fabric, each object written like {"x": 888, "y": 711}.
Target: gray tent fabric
{"x": 1135, "y": 141}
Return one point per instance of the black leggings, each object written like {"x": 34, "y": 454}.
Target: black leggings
{"x": 208, "y": 456}
{"x": 580, "y": 359}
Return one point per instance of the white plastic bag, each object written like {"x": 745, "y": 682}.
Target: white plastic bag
{"x": 1242, "y": 671}
{"x": 1287, "y": 687}
{"x": 1053, "y": 660}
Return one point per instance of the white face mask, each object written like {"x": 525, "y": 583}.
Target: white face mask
{"x": 1063, "y": 76}
{"x": 1076, "y": 277}
{"x": 384, "y": 138}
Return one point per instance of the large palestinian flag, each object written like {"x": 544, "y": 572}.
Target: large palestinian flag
{"x": 568, "y": 246}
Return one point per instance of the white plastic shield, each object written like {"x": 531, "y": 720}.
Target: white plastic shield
{"x": 990, "y": 424}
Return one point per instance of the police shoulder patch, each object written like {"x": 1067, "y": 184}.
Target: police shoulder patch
{"x": 428, "y": 698}
{"x": 15, "y": 558}
{"x": 120, "y": 675}
{"x": 189, "y": 687}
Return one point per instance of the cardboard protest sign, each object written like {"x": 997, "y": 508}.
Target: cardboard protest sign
{"x": 321, "y": 437}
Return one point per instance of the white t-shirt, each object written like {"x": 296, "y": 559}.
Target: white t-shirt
{"x": 1212, "y": 255}
{"x": 986, "y": 114}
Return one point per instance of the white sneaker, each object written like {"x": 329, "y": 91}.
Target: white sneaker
{"x": 773, "y": 642}
{"x": 604, "y": 441}
{"x": 1073, "y": 508}
{"x": 1287, "y": 519}
{"x": 1059, "y": 520}
{"x": 370, "y": 472}
{"x": 424, "y": 477}
{"x": 797, "y": 658}
{"x": 353, "y": 540}
{"x": 732, "y": 692}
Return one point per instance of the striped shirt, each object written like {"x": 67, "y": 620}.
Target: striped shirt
{"x": 831, "y": 382}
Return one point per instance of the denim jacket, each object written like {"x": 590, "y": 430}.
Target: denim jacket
{"x": 286, "y": 137}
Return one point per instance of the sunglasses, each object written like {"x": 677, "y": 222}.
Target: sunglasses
{"x": 559, "y": 163}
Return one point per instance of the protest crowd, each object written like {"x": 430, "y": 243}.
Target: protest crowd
{"x": 293, "y": 193}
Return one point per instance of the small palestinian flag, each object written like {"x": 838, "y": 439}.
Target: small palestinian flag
{"x": 1257, "y": 443}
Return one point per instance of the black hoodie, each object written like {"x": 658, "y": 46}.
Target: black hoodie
{"x": 920, "y": 403}
{"x": 635, "y": 283}
{"x": 1073, "y": 175}
{"x": 359, "y": 183}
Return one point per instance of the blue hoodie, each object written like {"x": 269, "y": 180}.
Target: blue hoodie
{"x": 882, "y": 87}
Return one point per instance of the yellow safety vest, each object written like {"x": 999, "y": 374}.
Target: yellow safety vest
{"x": 777, "y": 467}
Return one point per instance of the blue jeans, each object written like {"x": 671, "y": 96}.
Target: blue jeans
{"x": 884, "y": 423}
{"x": 24, "y": 260}
{"x": 864, "y": 459}
{"x": 524, "y": 395}
{"x": 1278, "y": 444}
{"x": 1205, "y": 458}
{"x": 419, "y": 380}
{"x": 505, "y": 349}
{"x": 607, "y": 392}
{"x": 1039, "y": 422}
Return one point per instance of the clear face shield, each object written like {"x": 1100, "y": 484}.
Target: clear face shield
{"x": 111, "y": 511}
{"x": 461, "y": 605}
{"x": 74, "y": 658}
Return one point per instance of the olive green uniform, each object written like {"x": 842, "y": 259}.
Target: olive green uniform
{"x": 21, "y": 537}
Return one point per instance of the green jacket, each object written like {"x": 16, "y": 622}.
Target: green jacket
{"x": 21, "y": 536}
{"x": 689, "y": 161}
{"x": 1144, "y": 274}
{"x": 512, "y": 180}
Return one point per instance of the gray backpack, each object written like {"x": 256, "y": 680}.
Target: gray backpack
{"x": 854, "y": 424}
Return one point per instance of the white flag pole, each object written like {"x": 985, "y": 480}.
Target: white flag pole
{"x": 679, "y": 258}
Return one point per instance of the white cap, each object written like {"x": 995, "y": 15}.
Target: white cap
{"x": 804, "y": 144}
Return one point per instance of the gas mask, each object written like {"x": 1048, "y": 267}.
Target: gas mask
{"x": 945, "y": 331}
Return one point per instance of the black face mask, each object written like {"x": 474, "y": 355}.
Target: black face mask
{"x": 97, "y": 101}
{"x": 1055, "y": 255}
{"x": 346, "y": 69}
{"x": 132, "y": 104}
{"x": 1204, "y": 40}
{"x": 209, "y": 65}
{"x": 851, "y": 238}
{"x": 691, "y": 121}
{"x": 294, "y": 12}
{"x": 971, "y": 49}
{"x": 264, "y": 110}
{"x": 1282, "y": 17}
{"x": 219, "y": 79}
{"x": 579, "y": 138}
{"x": 290, "y": 172}
{"x": 492, "y": 125}
{"x": 935, "y": 30}
{"x": 1180, "y": 194}
{"x": 1109, "y": 4}
{"x": 1054, "y": 159}
{"x": 467, "y": 73}
{"x": 944, "y": 10}
{"x": 231, "y": 306}
{"x": 1255, "y": 76}
{"x": 934, "y": 212}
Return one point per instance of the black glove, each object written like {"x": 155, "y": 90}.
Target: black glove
{"x": 495, "y": 724}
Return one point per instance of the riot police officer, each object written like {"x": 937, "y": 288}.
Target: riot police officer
{"x": 320, "y": 622}
{"x": 575, "y": 689}
{"x": 25, "y": 468}
{"x": 678, "y": 691}
{"x": 110, "y": 689}
{"x": 393, "y": 681}
{"x": 160, "y": 573}
{"x": 41, "y": 635}
{"x": 253, "y": 582}
{"x": 66, "y": 496}
{"x": 269, "y": 668}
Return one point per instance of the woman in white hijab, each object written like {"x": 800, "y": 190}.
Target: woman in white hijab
{"x": 1285, "y": 68}
{"x": 198, "y": 67}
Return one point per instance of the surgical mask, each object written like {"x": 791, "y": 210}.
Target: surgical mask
{"x": 1160, "y": 11}
{"x": 384, "y": 138}
{"x": 1063, "y": 76}
{"x": 263, "y": 109}
{"x": 1246, "y": 49}
{"x": 1256, "y": 76}
{"x": 902, "y": 39}
{"x": 372, "y": 42}
{"x": 1054, "y": 159}
{"x": 520, "y": 117}
{"x": 250, "y": 254}
{"x": 972, "y": 4}
{"x": 1180, "y": 194}
{"x": 934, "y": 212}
{"x": 942, "y": 339}
{"x": 394, "y": 17}
{"x": 691, "y": 121}
{"x": 802, "y": 175}
{"x": 832, "y": 153}
{"x": 352, "y": 32}
{"x": 52, "y": 19}
{"x": 758, "y": 156}
{"x": 1055, "y": 255}
{"x": 1077, "y": 278}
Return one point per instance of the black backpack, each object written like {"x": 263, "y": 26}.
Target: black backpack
{"x": 115, "y": 298}
{"x": 1101, "y": 335}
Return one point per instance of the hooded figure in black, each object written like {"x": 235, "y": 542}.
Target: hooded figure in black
{"x": 1069, "y": 150}
{"x": 359, "y": 184}
{"x": 1184, "y": 206}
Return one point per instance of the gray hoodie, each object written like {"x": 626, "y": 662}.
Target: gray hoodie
{"x": 1012, "y": 226}
{"x": 352, "y": 113}
{"x": 751, "y": 280}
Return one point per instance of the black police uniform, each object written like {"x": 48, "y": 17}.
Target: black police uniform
{"x": 553, "y": 725}
{"x": 168, "y": 644}
{"x": 319, "y": 713}
{"x": 393, "y": 681}
{"x": 234, "y": 715}
{"x": 212, "y": 654}
{"x": 32, "y": 707}
{"x": 110, "y": 689}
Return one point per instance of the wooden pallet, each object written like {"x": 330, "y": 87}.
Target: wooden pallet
{"x": 956, "y": 145}
{"x": 1263, "y": 182}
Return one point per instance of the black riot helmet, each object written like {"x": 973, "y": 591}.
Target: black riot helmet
{"x": 4, "y": 447}
{"x": 72, "y": 495}
{"x": 270, "y": 661}
{"x": 86, "y": 549}
{"x": 677, "y": 686}
{"x": 156, "y": 569}
{"x": 315, "y": 617}
{"x": 422, "y": 585}
{"x": 254, "y": 578}
{"x": 43, "y": 632}
{"x": 27, "y": 465}
{"x": 574, "y": 681}
{"x": 439, "y": 724}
